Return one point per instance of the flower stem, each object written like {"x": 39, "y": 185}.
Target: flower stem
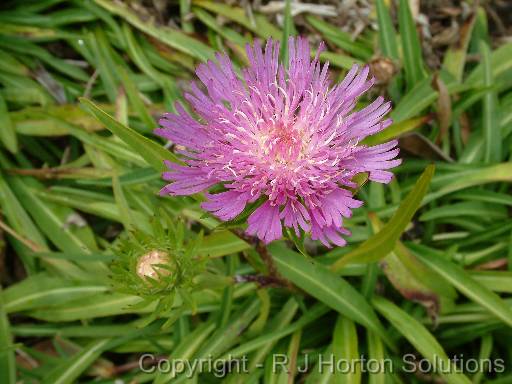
{"x": 273, "y": 278}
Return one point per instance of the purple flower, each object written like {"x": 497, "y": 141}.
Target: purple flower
{"x": 284, "y": 136}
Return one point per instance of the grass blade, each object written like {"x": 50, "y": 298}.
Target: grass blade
{"x": 313, "y": 313}
{"x": 376, "y": 352}
{"x": 327, "y": 287}
{"x": 258, "y": 24}
{"x": 149, "y": 150}
{"x": 387, "y": 34}
{"x": 455, "y": 58}
{"x": 345, "y": 348}
{"x": 414, "y": 101}
{"x": 172, "y": 37}
{"x": 340, "y": 38}
{"x": 70, "y": 369}
{"x": 467, "y": 285}
{"x": 7, "y": 358}
{"x": 490, "y": 124}
{"x": 501, "y": 61}
{"x": 7, "y": 132}
{"x": 396, "y": 130}
{"x": 136, "y": 101}
{"x": 420, "y": 338}
{"x": 288, "y": 30}
{"x": 382, "y": 243}
{"x": 411, "y": 47}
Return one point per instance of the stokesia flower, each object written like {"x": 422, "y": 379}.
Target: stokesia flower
{"x": 284, "y": 137}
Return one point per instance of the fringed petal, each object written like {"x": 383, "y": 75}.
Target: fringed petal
{"x": 264, "y": 222}
{"x": 226, "y": 205}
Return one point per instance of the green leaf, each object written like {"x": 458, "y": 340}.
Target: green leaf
{"x": 8, "y": 63}
{"x": 226, "y": 336}
{"x": 70, "y": 369}
{"x": 414, "y": 101}
{"x": 290, "y": 370}
{"x": 467, "y": 285}
{"x": 327, "y": 287}
{"x": 172, "y": 37}
{"x": 387, "y": 34}
{"x": 382, "y": 243}
{"x": 122, "y": 205}
{"x": 63, "y": 267}
{"x": 496, "y": 281}
{"x": 501, "y": 61}
{"x": 486, "y": 348}
{"x": 104, "y": 63}
{"x": 7, "y": 133}
{"x": 258, "y": 24}
{"x": 320, "y": 375}
{"x": 414, "y": 280}
{"x": 396, "y": 130}
{"x": 138, "y": 55}
{"x": 288, "y": 30}
{"x": 455, "y": 57}
{"x": 339, "y": 60}
{"x": 101, "y": 305}
{"x": 486, "y": 211}
{"x": 84, "y": 203}
{"x": 345, "y": 348}
{"x": 136, "y": 101}
{"x": 42, "y": 290}
{"x": 7, "y": 357}
{"x": 263, "y": 341}
{"x": 187, "y": 348}
{"x": 411, "y": 47}
{"x": 340, "y": 38}
{"x": 376, "y": 352}
{"x": 421, "y": 339}
{"x": 280, "y": 321}
{"x": 21, "y": 222}
{"x": 52, "y": 218}
{"x": 472, "y": 177}
{"x": 485, "y": 196}
{"x": 491, "y": 128}
{"x": 153, "y": 153}
{"x": 25, "y": 47}
{"x": 186, "y": 25}
{"x": 227, "y": 33}
{"x": 222, "y": 243}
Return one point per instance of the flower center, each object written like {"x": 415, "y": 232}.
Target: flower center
{"x": 284, "y": 144}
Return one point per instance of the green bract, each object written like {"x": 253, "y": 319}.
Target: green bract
{"x": 157, "y": 266}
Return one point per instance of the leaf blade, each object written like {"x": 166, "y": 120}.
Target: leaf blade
{"x": 413, "y": 60}
{"x": 466, "y": 284}
{"x": 153, "y": 153}
{"x": 382, "y": 243}
{"x": 419, "y": 337}
{"x": 327, "y": 287}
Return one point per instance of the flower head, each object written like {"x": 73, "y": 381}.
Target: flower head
{"x": 279, "y": 134}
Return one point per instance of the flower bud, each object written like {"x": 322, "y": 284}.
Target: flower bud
{"x": 150, "y": 264}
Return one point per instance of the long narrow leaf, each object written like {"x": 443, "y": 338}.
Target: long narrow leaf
{"x": 327, "y": 287}
{"x": 466, "y": 284}
{"x": 149, "y": 150}
{"x": 411, "y": 47}
{"x": 490, "y": 120}
{"x": 382, "y": 243}
{"x": 421, "y": 339}
{"x": 7, "y": 358}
